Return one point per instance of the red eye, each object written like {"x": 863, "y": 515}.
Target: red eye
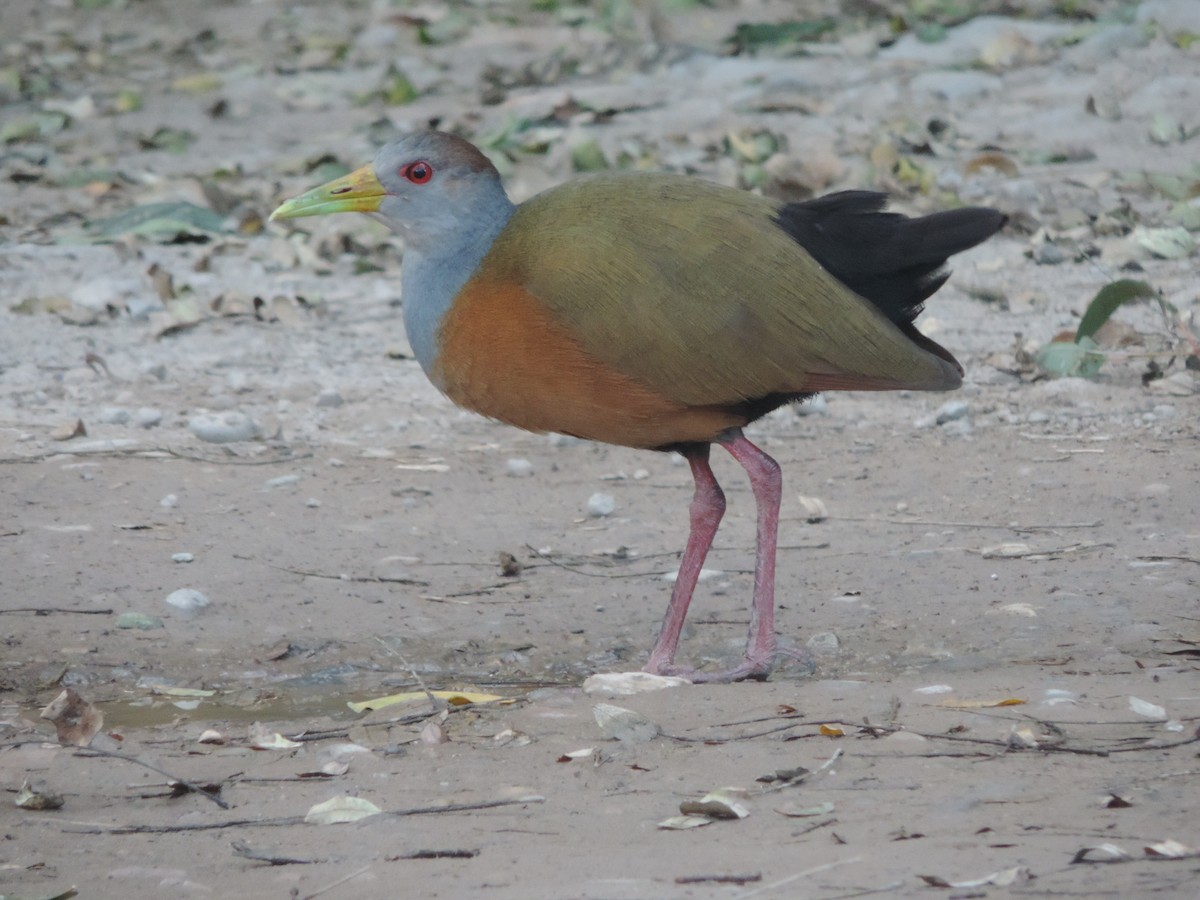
{"x": 418, "y": 172}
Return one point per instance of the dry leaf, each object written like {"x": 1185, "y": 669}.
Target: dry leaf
{"x": 75, "y": 720}
{"x": 1149, "y": 710}
{"x": 341, "y": 809}
{"x": 38, "y": 796}
{"x": 212, "y": 736}
{"x": 1170, "y": 849}
{"x": 832, "y": 731}
{"x": 720, "y": 804}
{"x": 454, "y": 698}
{"x": 983, "y": 704}
{"x": 626, "y": 684}
{"x": 807, "y": 811}
{"x": 262, "y": 738}
{"x": 682, "y": 823}
{"x": 622, "y": 724}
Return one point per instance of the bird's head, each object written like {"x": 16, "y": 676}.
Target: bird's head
{"x": 430, "y": 186}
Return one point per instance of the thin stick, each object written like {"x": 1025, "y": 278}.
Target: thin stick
{"x": 805, "y": 874}
{"x": 46, "y": 610}
{"x": 191, "y": 786}
{"x": 339, "y": 882}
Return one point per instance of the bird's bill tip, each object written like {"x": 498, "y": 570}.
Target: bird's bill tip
{"x": 360, "y": 191}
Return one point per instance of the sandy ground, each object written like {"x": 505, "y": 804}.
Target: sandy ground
{"x": 1002, "y": 607}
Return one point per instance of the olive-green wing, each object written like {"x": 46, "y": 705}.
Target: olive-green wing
{"x": 693, "y": 290}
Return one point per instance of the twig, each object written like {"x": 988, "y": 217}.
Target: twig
{"x": 272, "y": 857}
{"x": 434, "y": 854}
{"x": 338, "y": 883}
{"x": 1157, "y": 558}
{"x": 813, "y": 827}
{"x": 1051, "y": 526}
{"x": 191, "y": 786}
{"x": 805, "y": 874}
{"x": 47, "y": 610}
{"x": 237, "y": 461}
{"x": 356, "y": 579}
{"x": 792, "y": 782}
{"x": 739, "y": 880}
{"x": 297, "y": 820}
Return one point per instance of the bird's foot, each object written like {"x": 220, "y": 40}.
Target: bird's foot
{"x": 746, "y": 670}
{"x": 754, "y": 667}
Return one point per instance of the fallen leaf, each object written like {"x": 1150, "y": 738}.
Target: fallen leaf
{"x": 807, "y": 811}
{"x": 454, "y": 698}
{"x": 75, "y": 719}
{"x": 341, "y": 809}
{"x": 720, "y": 804}
{"x": 682, "y": 823}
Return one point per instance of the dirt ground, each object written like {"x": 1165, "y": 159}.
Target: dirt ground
{"x": 1001, "y": 602}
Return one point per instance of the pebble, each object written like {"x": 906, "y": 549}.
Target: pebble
{"x": 823, "y": 642}
{"x": 169, "y": 502}
{"x": 182, "y": 557}
{"x": 951, "y": 410}
{"x": 518, "y": 468}
{"x": 601, "y": 505}
{"x": 312, "y": 503}
{"x": 148, "y": 417}
{"x": 187, "y": 600}
{"x": 1048, "y": 254}
{"x": 283, "y": 481}
{"x": 224, "y": 427}
{"x": 114, "y": 415}
{"x": 330, "y": 397}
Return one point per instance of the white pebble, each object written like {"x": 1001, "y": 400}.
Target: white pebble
{"x": 148, "y": 417}
{"x": 169, "y": 502}
{"x": 114, "y": 415}
{"x": 283, "y": 481}
{"x": 518, "y": 468}
{"x": 330, "y": 397}
{"x": 224, "y": 427}
{"x": 601, "y": 505}
{"x": 182, "y": 557}
{"x": 312, "y": 502}
{"x": 951, "y": 410}
{"x": 187, "y": 600}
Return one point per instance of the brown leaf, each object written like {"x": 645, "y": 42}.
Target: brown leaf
{"x": 74, "y": 718}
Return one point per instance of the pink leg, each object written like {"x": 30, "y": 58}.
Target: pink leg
{"x": 708, "y": 506}
{"x": 767, "y": 483}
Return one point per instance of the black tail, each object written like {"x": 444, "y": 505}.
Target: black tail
{"x": 895, "y": 262}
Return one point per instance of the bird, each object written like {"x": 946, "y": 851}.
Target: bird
{"x": 658, "y": 311}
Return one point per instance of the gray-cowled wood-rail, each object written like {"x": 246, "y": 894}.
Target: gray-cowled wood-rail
{"x": 656, "y": 311}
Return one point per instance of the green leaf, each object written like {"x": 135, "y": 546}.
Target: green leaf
{"x": 162, "y": 222}
{"x": 1082, "y": 359}
{"x": 1107, "y": 301}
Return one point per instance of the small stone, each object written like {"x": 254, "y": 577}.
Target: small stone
{"x": 283, "y": 481}
{"x": 312, "y": 503}
{"x": 169, "y": 502}
{"x": 330, "y": 397}
{"x": 518, "y": 468}
{"x": 951, "y": 410}
{"x": 69, "y": 431}
{"x": 182, "y": 557}
{"x": 1048, "y": 254}
{"x": 823, "y": 642}
{"x": 187, "y": 600}
{"x": 601, "y": 505}
{"x": 224, "y": 427}
{"x": 114, "y": 415}
{"x": 148, "y": 417}
{"x": 1037, "y": 417}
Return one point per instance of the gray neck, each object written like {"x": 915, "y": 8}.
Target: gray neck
{"x": 432, "y": 276}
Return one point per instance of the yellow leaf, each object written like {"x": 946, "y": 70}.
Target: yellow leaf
{"x": 984, "y": 704}
{"x": 832, "y": 731}
{"x": 454, "y": 698}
